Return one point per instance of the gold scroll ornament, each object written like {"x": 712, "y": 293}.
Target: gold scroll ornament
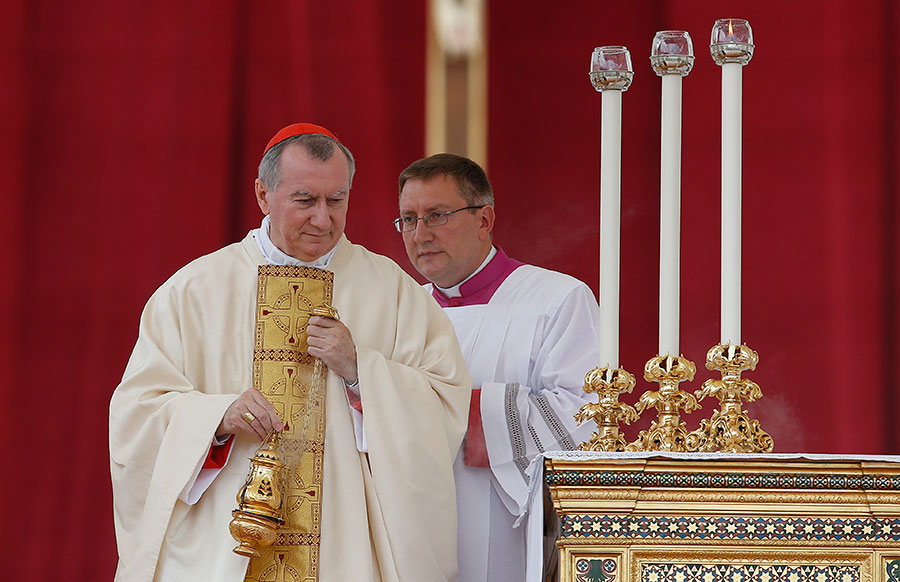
{"x": 668, "y": 432}
{"x": 293, "y": 381}
{"x": 730, "y": 429}
{"x": 608, "y": 383}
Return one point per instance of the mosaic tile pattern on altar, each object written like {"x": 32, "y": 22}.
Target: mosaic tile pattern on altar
{"x": 722, "y": 480}
{"x": 748, "y": 572}
{"x": 845, "y": 530}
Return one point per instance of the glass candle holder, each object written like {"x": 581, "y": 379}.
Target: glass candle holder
{"x": 731, "y": 41}
{"x": 672, "y": 53}
{"x": 611, "y": 68}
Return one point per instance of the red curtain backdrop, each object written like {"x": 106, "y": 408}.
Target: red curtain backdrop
{"x": 130, "y": 133}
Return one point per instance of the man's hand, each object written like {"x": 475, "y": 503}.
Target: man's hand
{"x": 330, "y": 341}
{"x": 252, "y": 401}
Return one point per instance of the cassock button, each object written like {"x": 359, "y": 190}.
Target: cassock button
{"x": 454, "y": 302}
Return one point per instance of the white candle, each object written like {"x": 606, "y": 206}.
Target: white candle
{"x": 672, "y": 57}
{"x": 731, "y": 203}
{"x": 610, "y": 204}
{"x": 731, "y": 46}
{"x": 670, "y": 216}
{"x": 611, "y": 74}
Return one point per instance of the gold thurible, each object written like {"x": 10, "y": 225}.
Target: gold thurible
{"x": 608, "y": 383}
{"x": 730, "y": 430}
{"x": 667, "y": 433}
{"x": 260, "y": 501}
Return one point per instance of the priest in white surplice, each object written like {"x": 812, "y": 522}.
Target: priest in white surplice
{"x": 528, "y": 334}
{"x": 183, "y": 421}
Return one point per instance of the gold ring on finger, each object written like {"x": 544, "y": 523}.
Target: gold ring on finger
{"x": 248, "y": 416}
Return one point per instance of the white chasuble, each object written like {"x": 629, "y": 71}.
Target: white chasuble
{"x": 387, "y": 515}
{"x": 528, "y": 347}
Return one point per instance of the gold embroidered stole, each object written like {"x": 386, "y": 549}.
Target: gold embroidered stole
{"x": 285, "y": 373}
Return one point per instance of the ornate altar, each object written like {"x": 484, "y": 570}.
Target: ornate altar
{"x": 687, "y": 517}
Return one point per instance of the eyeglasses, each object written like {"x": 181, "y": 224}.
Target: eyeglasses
{"x": 409, "y": 223}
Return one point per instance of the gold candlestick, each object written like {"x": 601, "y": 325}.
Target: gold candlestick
{"x": 667, "y": 433}
{"x": 608, "y": 383}
{"x": 730, "y": 430}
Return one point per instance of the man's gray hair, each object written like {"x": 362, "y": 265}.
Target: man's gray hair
{"x": 318, "y": 146}
{"x": 473, "y": 184}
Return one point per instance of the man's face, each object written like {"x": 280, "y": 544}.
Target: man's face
{"x": 445, "y": 254}
{"x": 308, "y": 209}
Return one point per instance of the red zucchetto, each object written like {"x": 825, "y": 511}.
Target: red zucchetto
{"x": 296, "y": 129}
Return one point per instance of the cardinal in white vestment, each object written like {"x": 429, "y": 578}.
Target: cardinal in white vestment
{"x": 528, "y": 334}
{"x": 184, "y": 419}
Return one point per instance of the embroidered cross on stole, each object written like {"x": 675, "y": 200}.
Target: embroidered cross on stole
{"x": 286, "y": 374}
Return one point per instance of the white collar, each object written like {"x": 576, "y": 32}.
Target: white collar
{"x": 453, "y": 291}
{"x": 275, "y": 256}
